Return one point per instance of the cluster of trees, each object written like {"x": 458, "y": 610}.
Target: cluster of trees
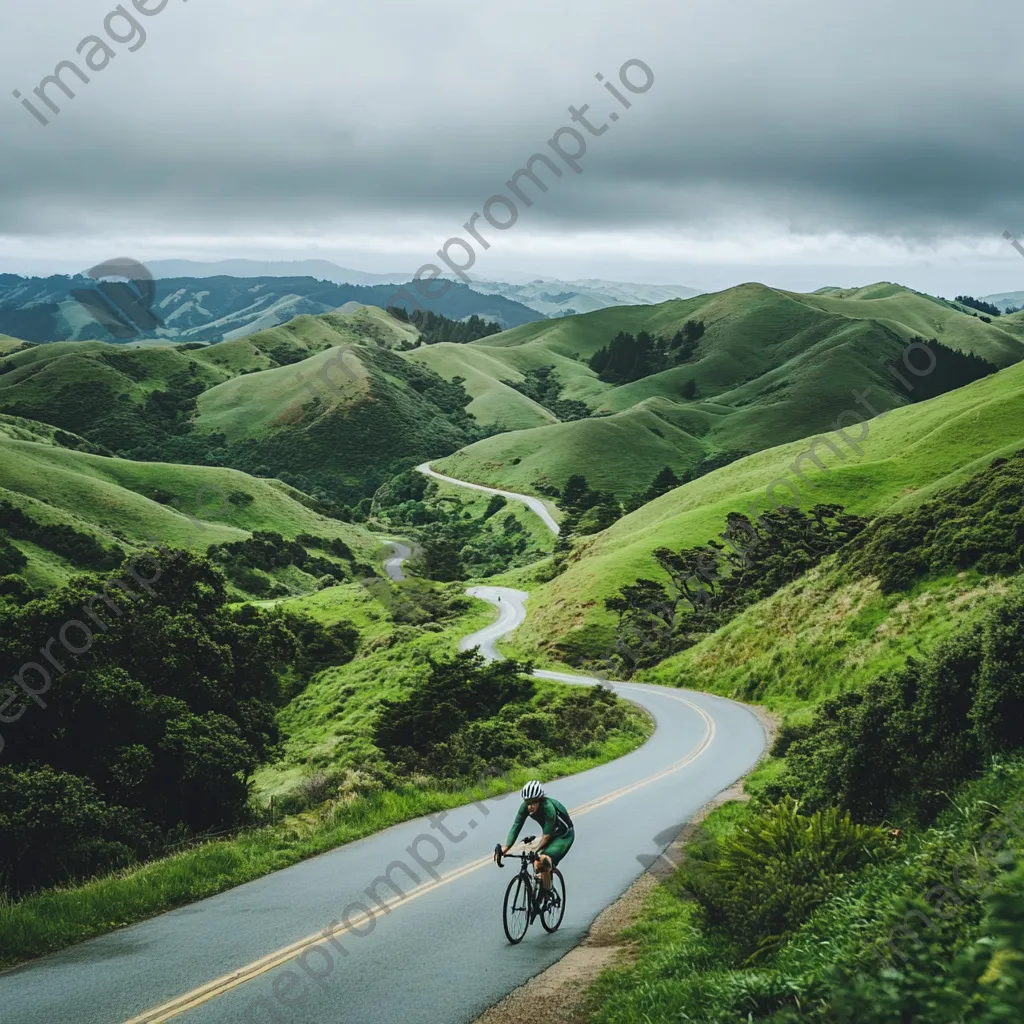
{"x": 978, "y": 524}
{"x": 586, "y": 511}
{"x": 434, "y": 327}
{"x": 248, "y": 562}
{"x": 455, "y": 544}
{"x": 895, "y": 749}
{"x": 467, "y": 546}
{"x": 664, "y": 482}
{"x": 79, "y": 548}
{"x": 979, "y": 304}
{"x": 950, "y": 369}
{"x": 711, "y": 583}
{"x": 468, "y": 716}
{"x": 149, "y": 730}
{"x": 541, "y": 383}
{"x": 627, "y": 358}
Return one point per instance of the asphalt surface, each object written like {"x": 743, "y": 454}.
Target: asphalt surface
{"x": 531, "y": 502}
{"x": 428, "y": 950}
{"x": 393, "y": 565}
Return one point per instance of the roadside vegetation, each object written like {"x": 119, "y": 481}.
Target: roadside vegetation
{"x": 202, "y": 743}
{"x": 875, "y": 872}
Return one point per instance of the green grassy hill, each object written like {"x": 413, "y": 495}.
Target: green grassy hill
{"x": 103, "y": 392}
{"x": 907, "y": 454}
{"x": 305, "y": 336}
{"x": 337, "y": 424}
{"x": 8, "y": 344}
{"x": 321, "y": 401}
{"x": 134, "y": 504}
{"x": 772, "y": 366}
{"x": 494, "y": 402}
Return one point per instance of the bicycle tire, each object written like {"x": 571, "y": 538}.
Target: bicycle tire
{"x": 552, "y": 916}
{"x": 518, "y": 894}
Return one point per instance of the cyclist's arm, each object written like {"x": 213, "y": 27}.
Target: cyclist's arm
{"x": 517, "y": 827}
{"x": 548, "y": 828}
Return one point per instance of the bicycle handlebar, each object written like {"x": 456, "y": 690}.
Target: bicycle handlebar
{"x": 498, "y": 854}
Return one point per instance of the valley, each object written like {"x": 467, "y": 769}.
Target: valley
{"x": 335, "y": 505}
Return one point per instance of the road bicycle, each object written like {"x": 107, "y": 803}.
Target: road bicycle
{"x": 525, "y": 899}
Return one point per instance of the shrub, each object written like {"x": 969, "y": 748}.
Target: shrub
{"x": 764, "y": 880}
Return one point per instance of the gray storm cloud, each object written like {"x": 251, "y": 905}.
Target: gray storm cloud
{"x": 902, "y": 120}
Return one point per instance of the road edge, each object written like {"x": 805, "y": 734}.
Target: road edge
{"x": 562, "y": 991}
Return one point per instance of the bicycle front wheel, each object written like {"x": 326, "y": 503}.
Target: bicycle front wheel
{"x": 518, "y": 903}
{"x": 553, "y": 912}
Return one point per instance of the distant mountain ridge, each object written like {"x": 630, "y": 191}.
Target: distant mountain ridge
{"x": 214, "y": 309}
{"x": 554, "y": 297}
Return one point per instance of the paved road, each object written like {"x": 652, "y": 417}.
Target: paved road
{"x": 393, "y": 565}
{"x": 535, "y": 504}
{"x": 330, "y": 940}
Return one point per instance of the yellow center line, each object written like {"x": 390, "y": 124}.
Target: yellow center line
{"x": 211, "y": 990}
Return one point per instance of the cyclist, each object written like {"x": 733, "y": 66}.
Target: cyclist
{"x": 557, "y": 833}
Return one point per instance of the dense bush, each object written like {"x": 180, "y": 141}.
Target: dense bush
{"x": 80, "y": 548}
{"x": 266, "y": 551}
{"x": 455, "y": 693}
{"x": 899, "y": 746}
{"x": 155, "y": 727}
{"x": 627, "y": 358}
{"x": 765, "y": 879}
{"x": 979, "y": 524}
{"x": 711, "y": 583}
{"x": 541, "y": 384}
{"x": 468, "y": 717}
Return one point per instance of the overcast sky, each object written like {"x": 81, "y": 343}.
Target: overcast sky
{"x": 796, "y": 142}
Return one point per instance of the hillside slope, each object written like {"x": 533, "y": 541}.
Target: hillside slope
{"x": 136, "y": 504}
{"x": 772, "y": 366}
{"x": 218, "y": 308}
{"x": 907, "y": 454}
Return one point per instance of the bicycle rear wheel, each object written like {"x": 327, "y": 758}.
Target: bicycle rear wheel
{"x": 553, "y": 912}
{"x": 518, "y": 903}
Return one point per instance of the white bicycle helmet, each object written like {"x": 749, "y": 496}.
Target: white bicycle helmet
{"x": 533, "y": 790}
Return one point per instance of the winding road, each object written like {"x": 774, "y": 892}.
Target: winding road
{"x": 403, "y": 927}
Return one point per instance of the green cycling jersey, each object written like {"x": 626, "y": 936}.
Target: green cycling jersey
{"x": 552, "y": 817}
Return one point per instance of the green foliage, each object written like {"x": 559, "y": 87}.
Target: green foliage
{"x": 495, "y": 505}
{"x": 710, "y": 584}
{"x": 468, "y": 717}
{"x": 627, "y": 358}
{"x": 896, "y": 748}
{"x": 978, "y": 524}
{"x": 157, "y": 725}
{"x": 664, "y": 482}
{"x": 79, "y": 548}
{"x": 12, "y": 561}
{"x": 245, "y": 562}
{"x": 434, "y": 327}
{"x": 762, "y": 881}
{"x": 985, "y": 307}
{"x": 947, "y": 369}
{"x": 456, "y": 693}
{"x": 542, "y": 384}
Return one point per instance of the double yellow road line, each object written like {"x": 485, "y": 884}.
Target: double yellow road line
{"x": 212, "y": 989}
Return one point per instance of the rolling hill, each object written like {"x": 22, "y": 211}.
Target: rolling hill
{"x": 908, "y": 454}
{"x": 771, "y": 367}
{"x": 135, "y": 504}
{"x": 322, "y": 401}
{"x": 221, "y": 308}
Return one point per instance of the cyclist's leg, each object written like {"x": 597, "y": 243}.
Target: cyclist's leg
{"x": 553, "y": 853}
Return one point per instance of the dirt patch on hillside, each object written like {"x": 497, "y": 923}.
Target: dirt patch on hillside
{"x": 561, "y": 993}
